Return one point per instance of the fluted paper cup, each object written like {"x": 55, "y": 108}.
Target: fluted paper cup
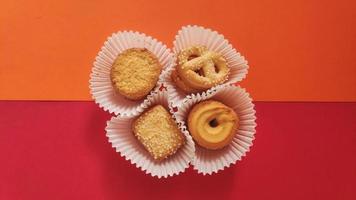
{"x": 196, "y": 35}
{"x": 211, "y": 161}
{"x": 100, "y": 83}
{"x": 120, "y": 135}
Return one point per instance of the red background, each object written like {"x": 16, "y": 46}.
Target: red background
{"x": 58, "y": 150}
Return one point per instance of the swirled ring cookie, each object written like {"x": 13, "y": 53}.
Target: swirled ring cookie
{"x": 135, "y": 73}
{"x": 212, "y": 124}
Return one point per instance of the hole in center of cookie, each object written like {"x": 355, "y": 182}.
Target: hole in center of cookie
{"x": 216, "y": 69}
{"x": 191, "y": 57}
{"x": 213, "y": 123}
{"x": 200, "y": 72}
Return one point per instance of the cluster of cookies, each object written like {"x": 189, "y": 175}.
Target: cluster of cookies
{"x": 212, "y": 124}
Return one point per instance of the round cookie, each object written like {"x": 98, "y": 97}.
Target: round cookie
{"x": 212, "y": 124}
{"x": 135, "y": 73}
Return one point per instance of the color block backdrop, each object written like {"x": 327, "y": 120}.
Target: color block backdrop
{"x": 302, "y": 77}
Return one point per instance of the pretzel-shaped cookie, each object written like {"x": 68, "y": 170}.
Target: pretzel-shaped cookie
{"x": 200, "y": 68}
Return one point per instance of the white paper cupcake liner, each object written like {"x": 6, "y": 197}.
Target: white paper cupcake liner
{"x": 100, "y": 83}
{"x": 210, "y": 161}
{"x": 120, "y": 135}
{"x": 196, "y": 35}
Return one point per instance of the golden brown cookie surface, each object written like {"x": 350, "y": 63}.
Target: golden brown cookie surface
{"x": 199, "y": 69}
{"x": 212, "y": 124}
{"x": 180, "y": 83}
{"x": 135, "y": 73}
{"x": 158, "y": 132}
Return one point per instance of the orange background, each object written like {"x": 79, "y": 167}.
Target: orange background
{"x": 301, "y": 50}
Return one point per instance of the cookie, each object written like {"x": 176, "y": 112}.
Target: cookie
{"x": 158, "y": 132}
{"x": 199, "y": 69}
{"x": 135, "y": 73}
{"x": 212, "y": 124}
